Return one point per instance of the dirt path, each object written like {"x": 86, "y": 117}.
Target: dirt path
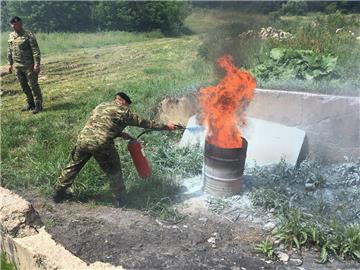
{"x": 137, "y": 241}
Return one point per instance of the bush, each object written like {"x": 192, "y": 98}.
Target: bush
{"x": 294, "y": 8}
{"x": 296, "y": 64}
{"x": 90, "y": 16}
{"x": 331, "y": 8}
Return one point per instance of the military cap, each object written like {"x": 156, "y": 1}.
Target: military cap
{"x": 15, "y": 19}
{"x": 124, "y": 96}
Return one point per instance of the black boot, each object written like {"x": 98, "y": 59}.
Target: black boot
{"x": 30, "y": 106}
{"x": 61, "y": 195}
{"x": 38, "y": 107}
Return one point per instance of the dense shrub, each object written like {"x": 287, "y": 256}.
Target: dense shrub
{"x": 296, "y": 64}
{"x": 294, "y": 8}
{"x": 49, "y": 16}
{"x": 333, "y": 52}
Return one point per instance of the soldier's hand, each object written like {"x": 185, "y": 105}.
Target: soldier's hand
{"x": 171, "y": 126}
{"x": 10, "y": 69}
{"x": 37, "y": 69}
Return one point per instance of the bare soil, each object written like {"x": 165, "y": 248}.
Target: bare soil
{"x": 134, "y": 240}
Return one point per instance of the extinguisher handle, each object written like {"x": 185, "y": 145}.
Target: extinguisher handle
{"x": 142, "y": 133}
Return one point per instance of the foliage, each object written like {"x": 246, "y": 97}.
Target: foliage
{"x": 296, "y": 64}
{"x": 4, "y": 264}
{"x": 48, "y": 16}
{"x": 267, "y": 248}
{"x": 294, "y": 7}
{"x": 216, "y": 205}
{"x": 319, "y": 39}
{"x": 164, "y": 211}
{"x": 267, "y": 198}
{"x": 312, "y": 218}
{"x": 297, "y": 229}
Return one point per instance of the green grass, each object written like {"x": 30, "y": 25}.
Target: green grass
{"x": 4, "y": 264}
{"x": 56, "y": 43}
{"x": 34, "y": 148}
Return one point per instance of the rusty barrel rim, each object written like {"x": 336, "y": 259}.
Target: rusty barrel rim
{"x": 223, "y": 169}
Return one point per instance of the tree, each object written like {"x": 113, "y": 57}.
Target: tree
{"x": 51, "y": 16}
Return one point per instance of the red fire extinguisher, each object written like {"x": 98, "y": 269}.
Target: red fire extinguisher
{"x": 138, "y": 157}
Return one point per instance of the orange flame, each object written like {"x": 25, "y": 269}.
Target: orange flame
{"x": 223, "y": 105}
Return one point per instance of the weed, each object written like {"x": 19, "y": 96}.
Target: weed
{"x": 4, "y": 264}
{"x": 50, "y": 223}
{"x": 267, "y": 198}
{"x": 162, "y": 210}
{"x": 317, "y": 218}
{"x": 291, "y": 229}
{"x": 217, "y": 205}
{"x": 330, "y": 38}
{"x": 267, "y": 248}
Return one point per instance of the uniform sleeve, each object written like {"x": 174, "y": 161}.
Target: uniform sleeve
{"x": 9, "y": 53}
{"x": 132, "y": 119}
{"x": 35, "y": 49}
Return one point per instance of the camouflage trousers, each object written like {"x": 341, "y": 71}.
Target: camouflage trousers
{"x": 27, "y": 76}
{"x": 105, "y": 155}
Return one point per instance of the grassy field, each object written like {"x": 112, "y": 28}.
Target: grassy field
{"x": 58, "y": 43}
{"x": 35, "y": 147}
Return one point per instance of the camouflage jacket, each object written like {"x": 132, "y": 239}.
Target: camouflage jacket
{"x": 23, "y": 50}
{"x": 107, "y": 122}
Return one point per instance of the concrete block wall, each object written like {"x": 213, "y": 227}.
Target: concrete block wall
{"x": 331, "y": 123}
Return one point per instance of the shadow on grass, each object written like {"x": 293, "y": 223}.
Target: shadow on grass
{"x": 154, "y": 196}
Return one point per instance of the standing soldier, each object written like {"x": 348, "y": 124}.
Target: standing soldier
{"x": 24, "y": 56}
{"x": 106, "y": 122}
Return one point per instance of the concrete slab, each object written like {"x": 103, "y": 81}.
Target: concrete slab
{"x": 268, "y": 142}
{"x": 27, "y": 244}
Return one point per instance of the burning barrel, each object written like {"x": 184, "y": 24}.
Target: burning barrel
{"x": 223, "y": 169}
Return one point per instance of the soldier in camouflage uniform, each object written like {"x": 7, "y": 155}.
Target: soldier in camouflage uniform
{"x": 106, "y": 122}
{"x": 24, "y": 56}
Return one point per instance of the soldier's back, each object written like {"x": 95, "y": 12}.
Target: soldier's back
{"x": 104, "y": 124}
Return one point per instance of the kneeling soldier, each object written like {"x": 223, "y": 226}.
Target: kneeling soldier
{"x": 106, "y": 122}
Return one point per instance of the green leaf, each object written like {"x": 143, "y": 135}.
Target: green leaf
{"x": 356, "y": 253}
{"x": 323, "y": 255}
{"x": 277, "y": 53}
{"x": 296, "y": 241}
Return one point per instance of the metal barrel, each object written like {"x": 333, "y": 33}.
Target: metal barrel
{"x": 223, "y": 169}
